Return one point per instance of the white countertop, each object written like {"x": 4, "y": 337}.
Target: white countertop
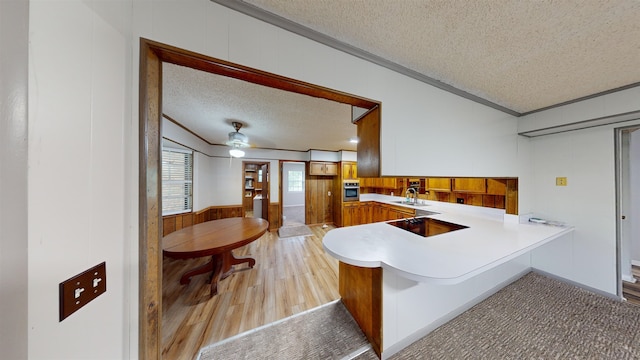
{"x": 447, "y": 258}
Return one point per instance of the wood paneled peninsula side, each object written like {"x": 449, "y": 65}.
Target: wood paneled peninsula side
{"x": 399, "y": 286}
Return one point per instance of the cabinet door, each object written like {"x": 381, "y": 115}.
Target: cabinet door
{"x": 316, "y": 168}
{"x": 496, "y": 186}
{"x": 350, "y": 214}
{"x": 390, "y": 183}
{"x": 439, "y": 184}
{"x": 474, "y": 185}
{"x": 323, "y": 168}
{"x": 365, "y": 216}
{"x": 331, "y": 169}
{"x": 349, "y": 171}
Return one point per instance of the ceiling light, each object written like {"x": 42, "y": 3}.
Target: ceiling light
{"x": 353, "y": 140}
{"x": 237, "y": 153}
{"x": 237, "y": 140}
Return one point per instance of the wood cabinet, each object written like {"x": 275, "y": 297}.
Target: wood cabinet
{"x": 350, "y": 213}
{"x": 367, "y": 182}
{"x": 365, "y": 213}
{"x": 323, "y": 168}
{"x": 369, "y": 143}
{"x": 399, "y": 212}
{"x": 349, "y": 171}
{"x": 471, "y": 185}
{"x": 379, "y": 212}
{"x": 496, "y": 186}
{"x": 439, "y": 184}
{"x": 361, "y": 291}
{"x": 389, "y": 183}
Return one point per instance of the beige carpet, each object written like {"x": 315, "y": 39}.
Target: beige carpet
{"x": 326, "y": 332}
{"x": 535, "y": 318}
{"x": 291, "y": 231}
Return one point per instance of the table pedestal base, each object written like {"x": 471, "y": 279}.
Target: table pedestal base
{"x": 220, "y": 267}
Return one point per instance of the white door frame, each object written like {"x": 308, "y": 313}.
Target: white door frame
{"x": 623, "y": 223}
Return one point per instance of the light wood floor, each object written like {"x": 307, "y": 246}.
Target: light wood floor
{"x": 632, "y": 291}
{"x": 291, "y": 275}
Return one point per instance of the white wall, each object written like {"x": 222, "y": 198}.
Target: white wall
{"x": 80, "y": 65}
{"x": 14, "y": 28}
{"x": 83, "y": 83}
{"x": 291, "y": 198}
{"x": 587, "y": 158}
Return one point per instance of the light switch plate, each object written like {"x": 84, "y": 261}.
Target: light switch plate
{"x": 79, "y": 290}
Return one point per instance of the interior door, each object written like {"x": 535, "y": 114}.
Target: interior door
{"x": 265, "y": 191}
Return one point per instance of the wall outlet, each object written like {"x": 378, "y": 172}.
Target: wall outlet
{"x": 79, "y": 290}
{"x": 561, "y": 181}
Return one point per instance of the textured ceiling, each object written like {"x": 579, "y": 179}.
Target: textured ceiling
{"x": 520, "y": 54}
{"x": 207, "y": 104}
{"x": 517, "y": 55}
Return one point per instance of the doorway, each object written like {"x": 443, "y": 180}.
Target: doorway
{"x": 152, "y": 56}
{"x": 293, "y": 194}
{"x": 255, "y": 193}
{"x": 628, "y": 201}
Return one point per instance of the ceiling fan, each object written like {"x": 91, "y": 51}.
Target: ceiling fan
{"x": 237, "y": 141}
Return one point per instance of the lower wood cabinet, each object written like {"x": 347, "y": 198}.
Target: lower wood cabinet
{"x": 366, "y": 212}
{"x": 350, "y": 213}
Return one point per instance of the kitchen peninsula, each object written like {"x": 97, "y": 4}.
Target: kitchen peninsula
{"x": 399, "y": 286}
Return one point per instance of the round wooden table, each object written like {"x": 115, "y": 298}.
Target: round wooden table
{"x": 216, "y": 238}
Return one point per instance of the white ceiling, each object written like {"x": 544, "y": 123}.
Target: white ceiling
{"x": 516, "y": 55}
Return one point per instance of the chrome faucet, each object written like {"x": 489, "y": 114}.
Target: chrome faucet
{"x": 415, "y": 195}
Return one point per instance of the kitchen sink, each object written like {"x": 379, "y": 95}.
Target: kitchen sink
{"x": 404, "y": 202}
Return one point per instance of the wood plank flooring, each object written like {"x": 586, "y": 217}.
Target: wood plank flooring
{"x": 291, "y": 275}
{"x": 632, "y": 291}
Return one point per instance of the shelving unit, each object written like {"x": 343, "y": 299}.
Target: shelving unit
{"x": 250, "y": 181}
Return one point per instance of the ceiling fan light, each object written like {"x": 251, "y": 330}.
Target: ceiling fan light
{"x": 237, "y": 153}
{"x": 238, "y": 139}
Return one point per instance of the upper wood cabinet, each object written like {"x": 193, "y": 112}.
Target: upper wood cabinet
{"x": 497, "y": 186}
{"x": 390, "y": 183}
{"x": 439, "y": 184}
{"x": 472, "y": 185}
{"x": 369, "y": 143}
{"x": 349, "y": 170}
{"x": 323, "y": 168}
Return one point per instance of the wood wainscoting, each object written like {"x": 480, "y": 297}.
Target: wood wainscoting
{"x": 171, "y": 223}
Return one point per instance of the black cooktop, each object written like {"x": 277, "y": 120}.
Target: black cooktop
{"x": 425, "y": 226}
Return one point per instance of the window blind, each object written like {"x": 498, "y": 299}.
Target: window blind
{"x": 177, "y": 181}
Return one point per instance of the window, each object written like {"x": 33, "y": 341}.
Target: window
{"x": 177, "y": 181}
{"x": 296, "y": 183}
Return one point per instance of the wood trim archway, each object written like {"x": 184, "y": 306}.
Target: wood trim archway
{"x": 152, "y": 55}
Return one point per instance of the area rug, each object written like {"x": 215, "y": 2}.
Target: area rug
{"x": 291, "y": 231}
{"x": 326, "y": 332}
{"x": 534, "y": 318}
